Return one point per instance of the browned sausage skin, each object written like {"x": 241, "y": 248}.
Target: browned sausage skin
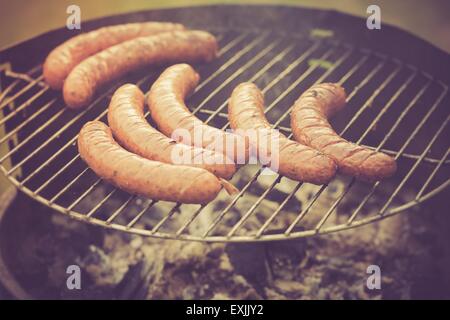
{"x": 115, "y": 61}
{"x": 309, "y": 121}
{"x": 168, "y": 110}
{"x": 296, "y": 161}
{"x": 131, "y": 129}
{"x": 67, "y": 55}
{"x": 137, "y": 175}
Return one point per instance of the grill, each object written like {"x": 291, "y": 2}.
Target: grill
{"x": 393, "y": 106}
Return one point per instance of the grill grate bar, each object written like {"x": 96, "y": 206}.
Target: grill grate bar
{"x": 405, "y": 145}
{"x": 64, "y": 147}
{"x": 320, "y": 191}
{"x": 370, "y": 100}
{"x": 67, "y": 187}
{"x": 72, "y": 140}
{"x": 333, "y": 206}
{"x": 257, "y": 75}
{"x": 120, "y": 209}
{"x": 430, "y": 178}
{"x": 367, "y": 79}
{"x": 24, "y": 141}
{"x": 11, "y": 87}
{"x": 211, "y": 77}
{"x": 294, "y": 84}
{"x": 369, "y": 128}
{"x": 8, "y": 89}
{"x": 249, "y": 63}
{"x": 274, "y": 82}
{"x": 23, "y": 76}
{"x": 230, "y": 61}
{"x": 231, "y": 204}
{"x": 301, "y": 59}
{"x": 73, "y": 159}
{"x": 84, "y": 194}
{"x": 385, "y": 109}
{"x": 23, "y": 105}
{"x": 56, "y": 134}
{"x": 353, "y": 70}
{"x": 101, "y": 202}
{"x": 288, "y": 90}
{"x": 189, "y": 221}
{"x": 234, "y": 59}
{"x": 95, "y": 208}
{"x": 304, "y": 211}
{"x": 303, "y": 76}
{"x": 56, "y": 154}
{"x": 288, "y": 69}
{"x": 45, "y": 107}
{"x": 277, "y": 211}
{"x": 53, "y": 177}
{"x": 387, "y": 151}
{"x": 27, "y": 121}
{"x": 167, "y": 217}
{"x": 265, "y": 68}
{"x": 402, "y": 115}
{"x": 140, "y": 214}
{"x": 231, "y": 44}
{"x": 299, "y": 80}
{"x": 261, "y": 71}
{"x": 416, "y": 164}
{"x": 253, "y": 207}
{"x": 20, "y": 92}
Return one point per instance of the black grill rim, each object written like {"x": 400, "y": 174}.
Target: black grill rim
{"x": 295, "y": 20}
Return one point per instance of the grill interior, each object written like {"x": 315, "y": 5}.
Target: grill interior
{"x": 392, "y": 107}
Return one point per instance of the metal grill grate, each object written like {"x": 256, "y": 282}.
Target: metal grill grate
{"x": 392, "y": 107}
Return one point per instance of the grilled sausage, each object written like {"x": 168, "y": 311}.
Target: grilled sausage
{"x": 130, "y": 128}
{"x": 167, "y": 108}
{"x": 67, "y": 55}
{"x": 296, "y": 161}
{"x": 309, "y": 122}
{"x": 137, "y": 175}
{"x": 115, "y": 61}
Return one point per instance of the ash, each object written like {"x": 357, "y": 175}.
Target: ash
{"x": 411, "y": 249}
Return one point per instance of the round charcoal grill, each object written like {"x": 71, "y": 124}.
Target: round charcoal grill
{"x": 398, "y": 103}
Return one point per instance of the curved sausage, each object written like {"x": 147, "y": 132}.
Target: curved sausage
{"x": 134, "y": 174}
{"x": 67, "y": 55}
{"x": 309, "y": 122}
{"x": 167, "y": 108}
{"x": 115, "y": 61}
{"x": 131, "y": 129}
{"x": 296, "y": 161}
